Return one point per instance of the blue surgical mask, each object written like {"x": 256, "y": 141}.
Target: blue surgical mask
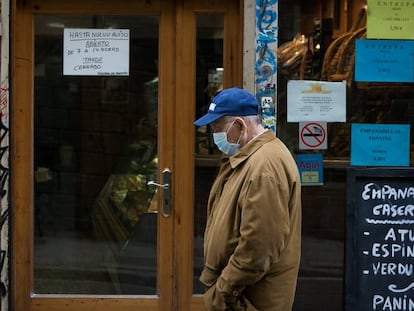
{"x": 220, "y": 139}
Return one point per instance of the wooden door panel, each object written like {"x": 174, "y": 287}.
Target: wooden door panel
{"x": 176, "y": 113}
{"x": 122, "y": 7}
{"x": 22, "y": 153}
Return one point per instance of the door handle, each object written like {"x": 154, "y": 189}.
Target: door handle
{"x": 166, "y": 191}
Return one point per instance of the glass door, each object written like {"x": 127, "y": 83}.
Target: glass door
{"x": 89, "y": 162}
{"x": 216, "y": 52}
{"x": 95, "y": 150}
{"x": 105, "y": 95}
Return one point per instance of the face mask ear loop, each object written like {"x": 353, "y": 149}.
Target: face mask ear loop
{"x": 241, "y": 133}
{"x": 229, "y": 128}
{"x": 238, "y": 141}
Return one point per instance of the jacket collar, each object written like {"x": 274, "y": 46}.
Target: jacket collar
{"x": 247, "y": 150}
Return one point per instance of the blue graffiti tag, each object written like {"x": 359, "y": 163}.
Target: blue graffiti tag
{"x": 266, "y": 61}
{"x": 266, "y": 64}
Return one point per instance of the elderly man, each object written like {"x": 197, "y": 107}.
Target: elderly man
{"x": 253, "y": 233}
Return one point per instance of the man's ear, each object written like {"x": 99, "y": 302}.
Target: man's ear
{"x": 241, "y": 123}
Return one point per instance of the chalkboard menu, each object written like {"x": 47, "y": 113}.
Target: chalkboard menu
{"x": 380, "y": 239}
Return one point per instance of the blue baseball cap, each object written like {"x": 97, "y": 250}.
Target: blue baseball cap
{"x": 230, "y": 102}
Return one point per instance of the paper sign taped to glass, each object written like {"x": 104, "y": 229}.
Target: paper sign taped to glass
{"x": 316, "y": 100}
{"x": 380, "y": 144}
{"x": 310, "y": 169}
{"x": 384, "y": 61}
{"x": 390, "y": 19}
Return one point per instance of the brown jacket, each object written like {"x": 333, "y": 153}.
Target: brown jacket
{"x": 253, "y": 233}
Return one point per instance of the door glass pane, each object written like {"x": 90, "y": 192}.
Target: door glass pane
{"x": 208, "y": 82}
{"x": 95, "y": 148}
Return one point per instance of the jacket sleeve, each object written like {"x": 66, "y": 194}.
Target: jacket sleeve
{"x": 264, "y": 225}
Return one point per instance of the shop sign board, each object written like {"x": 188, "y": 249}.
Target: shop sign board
{"x": 95, "y": 52}
{"x": 379, "y": 257}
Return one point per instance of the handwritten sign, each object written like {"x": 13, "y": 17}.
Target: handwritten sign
{"x": 392, "y": 19}
{"x": 380, "y": 239}
{"x": 384, "y": 60}
{"x": 316, "y": 100}
{"x": 380, "y": 144}
{"x": 96, "y": 52}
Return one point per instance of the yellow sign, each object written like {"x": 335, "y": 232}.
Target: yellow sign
{"x": 391, "y": 19}
{"x": 311, "y": 178}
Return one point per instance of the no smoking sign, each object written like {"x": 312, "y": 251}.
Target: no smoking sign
{"x": 312, "y": 135}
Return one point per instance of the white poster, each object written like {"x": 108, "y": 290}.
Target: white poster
{"x": 96, "y": 52}
{"x": 316, "y": 100}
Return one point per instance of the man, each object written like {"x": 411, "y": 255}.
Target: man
{"x": 252, "y": 237}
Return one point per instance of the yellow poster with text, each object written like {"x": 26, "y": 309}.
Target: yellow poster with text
{"x": 390, "y": 19}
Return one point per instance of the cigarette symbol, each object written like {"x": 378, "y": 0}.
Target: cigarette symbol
{"x": 316, "y": 132}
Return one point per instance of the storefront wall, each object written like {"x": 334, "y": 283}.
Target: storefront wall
{"x": 321, "y": 278}
{"x": 323, "y": 265}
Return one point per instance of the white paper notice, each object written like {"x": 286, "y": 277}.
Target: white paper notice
{"x": 96, "y": 52}
{"x": 316, "y": 101}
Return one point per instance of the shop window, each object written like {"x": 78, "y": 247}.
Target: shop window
{"x": 95, "y": 148}
{"x": 308, "y": 50}
{"x": 317, "y": 42}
